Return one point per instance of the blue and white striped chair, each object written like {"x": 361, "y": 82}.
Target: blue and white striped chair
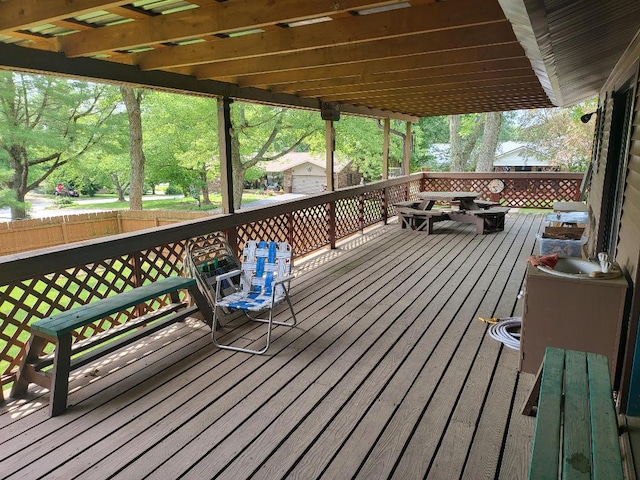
{"x": 265, "y": 276}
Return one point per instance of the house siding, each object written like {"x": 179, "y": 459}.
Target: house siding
{"x": 627, "y": 245}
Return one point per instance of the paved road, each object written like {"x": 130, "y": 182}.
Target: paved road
{"x": 42, "y": 207}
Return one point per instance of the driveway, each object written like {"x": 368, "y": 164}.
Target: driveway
{"x": 42, "y": 207}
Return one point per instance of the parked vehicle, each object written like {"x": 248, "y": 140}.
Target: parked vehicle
{"x": 61, "y": 191}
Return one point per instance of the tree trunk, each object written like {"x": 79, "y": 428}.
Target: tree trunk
{"x": 19, "y": 163}
{"x": 455, "y": 142}
{"x": 132, "y": 100}
{"x": 487, "y": 153}
{"x": 238, "y": 172}
{"x": 119, "y": 187}
{"x": 204, "y": 189}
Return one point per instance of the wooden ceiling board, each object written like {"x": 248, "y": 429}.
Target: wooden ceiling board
{"x": 426, "y": 57}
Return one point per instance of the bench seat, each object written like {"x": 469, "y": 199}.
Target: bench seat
{"x": 486, "y": 221}
{"x": 576, "y": 432}
{"x": 486, "y": 203}
{"x": 58, "y": 330}
{"x": 421, "y": 220}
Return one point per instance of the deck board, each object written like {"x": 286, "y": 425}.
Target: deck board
{"x": 387, "y": 375}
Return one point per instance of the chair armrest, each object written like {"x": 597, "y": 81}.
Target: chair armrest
{"x": 286, "y": 278}
{"x": 226, "y": 276}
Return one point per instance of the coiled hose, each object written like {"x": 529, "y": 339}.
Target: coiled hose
{"x": 507, "y": 331}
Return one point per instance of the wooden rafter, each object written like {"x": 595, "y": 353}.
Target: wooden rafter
{"x": 387, "y": 58}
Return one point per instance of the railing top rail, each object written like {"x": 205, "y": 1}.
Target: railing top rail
{"x": 506, "y": 175}
{"x": 24, "y": 265}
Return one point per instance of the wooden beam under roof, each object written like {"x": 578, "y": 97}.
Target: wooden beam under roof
{"x": 485, "y": 36}
{"x": 439, "y": 63}
{"x": 205, "y": 21}
{"x": 444, "y": 82}
{"x": 404, "y": 22}
{"x": 436, "y": 92}
{"x": 23, "y": 14}
{"x": 36, "y": 61}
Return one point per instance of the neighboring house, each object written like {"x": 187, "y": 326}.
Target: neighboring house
{"x": 519, "y": 157}
{"x": 516, "y": 156}
{"x": 302, "y": 172}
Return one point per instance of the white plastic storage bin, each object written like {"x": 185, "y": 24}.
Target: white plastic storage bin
{"x": 564, "y": 248}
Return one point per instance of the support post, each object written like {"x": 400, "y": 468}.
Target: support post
{"x": 330, "y": 136}
{"x": 406, "y": 151}
{"x": 224, "y": 145}
{"x": 385, "y": 149}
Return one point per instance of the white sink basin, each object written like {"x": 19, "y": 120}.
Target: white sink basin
{"x": 579, "y": 268}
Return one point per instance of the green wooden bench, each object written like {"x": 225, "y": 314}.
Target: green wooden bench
{"x": 58, "y": 329}
{"x": 576, "y": 433}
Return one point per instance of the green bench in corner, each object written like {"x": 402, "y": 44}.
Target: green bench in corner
{"x": 58, "y": 329}
{"x": 576, "y": 433}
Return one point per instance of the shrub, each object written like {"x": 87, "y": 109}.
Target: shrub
{"x": 173, "y": 190}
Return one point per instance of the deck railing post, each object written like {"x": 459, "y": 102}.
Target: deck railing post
{"x": 385, "y": 205}
{"x": 361, "y": 212}
{"x": 232, "y": 238}
{"x": 331, "y": 223}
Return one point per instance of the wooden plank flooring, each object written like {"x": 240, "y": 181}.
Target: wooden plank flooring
{"x": 388, "y": 374}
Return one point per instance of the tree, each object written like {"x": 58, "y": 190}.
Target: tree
{"x": 262, "y": 133}
{"x": 464, "y": 132}
{"x": 46, "y": 123}
{"x": 132, "y": 100}
{"x": 559, "y": 134}
{"x": 181, "y": 141}
{"x": 426, "y": 132}
{"x": 487, "y": 152}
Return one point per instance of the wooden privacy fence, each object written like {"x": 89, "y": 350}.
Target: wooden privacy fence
{"x": 43, "y": 282}
{"x": 25, "y": 235}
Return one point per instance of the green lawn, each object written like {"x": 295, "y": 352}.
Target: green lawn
{"x": 182, "y": 204}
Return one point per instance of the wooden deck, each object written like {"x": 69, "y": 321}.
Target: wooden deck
{"x": 389, "y": 374}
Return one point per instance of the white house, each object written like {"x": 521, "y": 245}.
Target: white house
{"x": 514, "y": 156}
{"x": 519, "y": 157}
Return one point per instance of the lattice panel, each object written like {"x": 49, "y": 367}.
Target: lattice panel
{"x": 273, "y": 228}
{"x": 310, "y": 230}
{"x": 397, "y": 193}
{"x": 348, "y": 216}
{"x": 525, "y": 192}
{"x": 63, "y": 290}
{"x": 372, "y": 208}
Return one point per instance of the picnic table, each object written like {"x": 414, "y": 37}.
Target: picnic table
{"x": 466, "y": 199}
{"x": 421, "y": 216}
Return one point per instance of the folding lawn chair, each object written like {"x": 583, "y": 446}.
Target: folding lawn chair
{"x": 259, "y": 284}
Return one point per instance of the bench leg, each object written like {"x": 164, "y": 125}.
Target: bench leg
{"x": 424, "y": 224}
{"x": 35, "y": 345}
{"x": 531, "y": 402}
{"x": 60, "y": 379}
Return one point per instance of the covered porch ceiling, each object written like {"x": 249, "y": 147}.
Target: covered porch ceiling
{"x": 383, "y": 58}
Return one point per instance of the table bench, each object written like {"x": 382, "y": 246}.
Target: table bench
{"x": 58, "y": 329}
{"x": 576, "y": 432}
{"x": 486, "y": 220}
{"x": 421, "y": 220}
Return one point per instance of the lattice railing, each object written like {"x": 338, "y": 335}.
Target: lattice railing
{"x": 43, "y": 282}
{"x": 521, "y": 190}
